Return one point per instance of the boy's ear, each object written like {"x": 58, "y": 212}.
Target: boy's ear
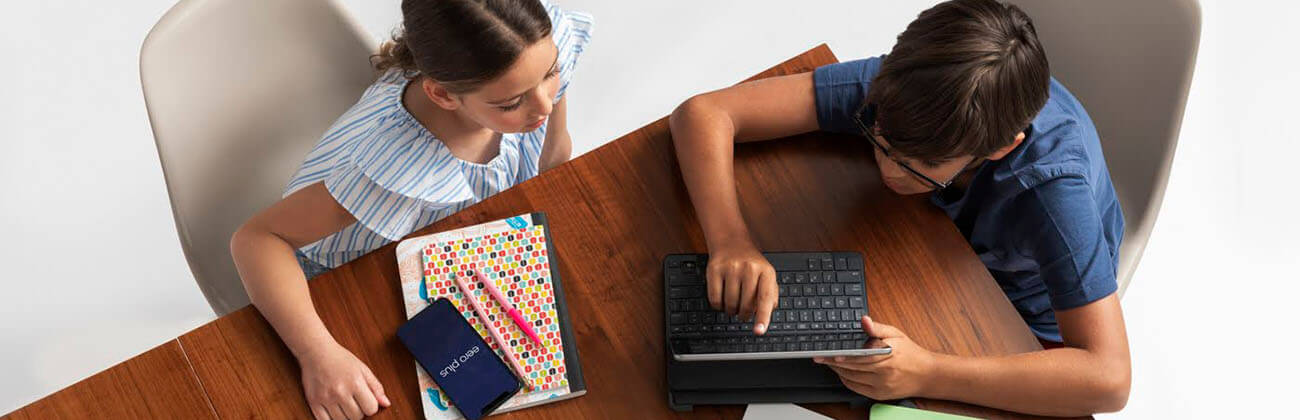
{"x": 1000, "y": 153}
{"x": 439, "y": 94}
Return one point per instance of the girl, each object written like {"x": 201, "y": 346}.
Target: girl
{"x": 470, "y": 102}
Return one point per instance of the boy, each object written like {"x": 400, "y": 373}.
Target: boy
{"x": 962, "y": 108}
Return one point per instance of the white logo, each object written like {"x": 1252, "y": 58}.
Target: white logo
{"x": 455, "y": 362}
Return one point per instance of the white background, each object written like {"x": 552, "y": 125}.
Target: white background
{"x": 93, "y": 274}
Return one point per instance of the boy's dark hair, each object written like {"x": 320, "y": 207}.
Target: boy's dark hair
{"x": 963, "y": 79}
{"x": 462, "y": 43}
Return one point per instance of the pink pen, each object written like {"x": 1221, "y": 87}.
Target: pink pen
{"x": 487, "y": 324}
{"x": 509, "y": 307}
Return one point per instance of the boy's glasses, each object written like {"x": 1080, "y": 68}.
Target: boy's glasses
{"x": 876, "y": 142}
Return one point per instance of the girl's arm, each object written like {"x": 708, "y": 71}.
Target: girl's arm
{"x": 336, "y": 383}
{"x": 558, "y": 147}
{"x": 704, "y": 128}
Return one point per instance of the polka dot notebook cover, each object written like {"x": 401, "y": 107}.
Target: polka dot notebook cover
{"x": 513, "y": 254}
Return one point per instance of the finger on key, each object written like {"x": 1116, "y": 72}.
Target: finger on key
{"x": 748, "y": 287}
{"x": 731, "y": 292}
{"x": 767, "y": 297}
{"x": 714, "y": 280}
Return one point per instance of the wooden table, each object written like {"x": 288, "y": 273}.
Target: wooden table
{"x": 615, "y": 213}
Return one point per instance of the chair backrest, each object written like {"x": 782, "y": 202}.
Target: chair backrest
{"x": 237, "y": 92}
{"x": 1130, "y": 64}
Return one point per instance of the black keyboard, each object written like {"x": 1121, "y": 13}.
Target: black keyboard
{"x": 822, "y": 298}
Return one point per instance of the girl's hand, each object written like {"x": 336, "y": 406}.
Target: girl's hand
{"x": 904, "y": 372}
{"x": 742, "y": 282}
{"x": 339, "y": 386}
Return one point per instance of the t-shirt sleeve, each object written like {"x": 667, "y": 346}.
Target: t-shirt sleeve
{"x": 383, "y": 211}
{"x": 1064, "y": 235}
{"x": 840, "y": 89}
{"x": 571, "y": 32}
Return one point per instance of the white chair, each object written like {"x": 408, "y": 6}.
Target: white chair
{"x": 237, "y": 92}
{"x": 1130, "y": 64}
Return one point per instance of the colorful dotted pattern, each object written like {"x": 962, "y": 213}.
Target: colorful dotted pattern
{"x": 517, "y": 263}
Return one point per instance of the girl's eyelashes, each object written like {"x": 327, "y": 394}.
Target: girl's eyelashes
{"x": 554, "y": 72}
{"x": 511, "y": 107}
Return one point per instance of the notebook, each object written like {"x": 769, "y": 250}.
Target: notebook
{"x": 516, "y": 255}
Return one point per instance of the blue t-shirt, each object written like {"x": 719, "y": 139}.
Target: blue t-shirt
{"x": 1044, "y": 219}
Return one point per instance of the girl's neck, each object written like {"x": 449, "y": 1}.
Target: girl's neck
{"x": 467, "y": 139}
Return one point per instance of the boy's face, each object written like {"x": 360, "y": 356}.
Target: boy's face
{"x": 906, "y": 176}
{"x": 895, "y": 173}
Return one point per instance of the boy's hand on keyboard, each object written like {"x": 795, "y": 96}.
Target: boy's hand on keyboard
{"x": 340, "y": 386}
{"x": 742, "y": 282}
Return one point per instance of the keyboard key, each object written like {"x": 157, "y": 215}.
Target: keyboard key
{"x": 841, "y": 263}
{"x": 677, "y": 318}
{"x": 828, "y": 302}
{"x": 841, "y": 302}
{"x": 824, "y": 289}
{"x": 783, "y": 303}
{"x": 782, "y": 290}
{"x": 832, "y": 315}
{"x": 819, "y": 346}
{"x": 816, "y": 326}
{"x": 796, "y": 291}
{"x": 814, "y": 277}
{"x": 813, "y": 264}
{"x": 801, "y": 277}
{"x": 848, "y": 276}
{"x": 764, "y": 347}
{"x": 814, "y": 303}
{"x": 853, "y": 288}
{"x": 856, "y": 301}
{"x": 806, "y": 346}
{"x": 693, "y": 318}
{"x": 809, "y": 290}
{"x": 837, "y": 289}
{"x": 827, "y": 264}
{"x": 785, "y": 277}
{"x": 805, "y": 316}
{"x": 800, "y": 303}
{"x": 819, "y": 316}
{"x": 801, "y": 326}
{"x": 847, "y": 315}
{"x": 833, "y": 345}
{"x": 674, "y": 263}
{"x": 855, "y": 263}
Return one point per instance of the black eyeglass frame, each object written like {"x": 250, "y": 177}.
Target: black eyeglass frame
{"x": 875, "y": 142}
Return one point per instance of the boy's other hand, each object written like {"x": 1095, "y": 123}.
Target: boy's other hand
{"x": 743, "y": 283}
{"x": 902, "y": 373}
{"x": 339, "y": 386}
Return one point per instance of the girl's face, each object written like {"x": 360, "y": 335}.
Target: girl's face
{"x": 519, "y": 100}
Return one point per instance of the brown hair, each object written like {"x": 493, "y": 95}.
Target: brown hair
{"x": 963, "y": 79}
{"x": 462, "y": 43}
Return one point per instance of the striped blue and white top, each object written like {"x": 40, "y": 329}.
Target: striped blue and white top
{"x": 395, "y": 177}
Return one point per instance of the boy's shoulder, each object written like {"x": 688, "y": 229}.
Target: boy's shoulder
{"x": 1061, "y": 141}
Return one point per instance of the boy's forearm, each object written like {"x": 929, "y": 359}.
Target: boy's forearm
{"x": 1056, "y": 382}
{"x": 703, "y": 140}
{"x": 277, "y": 287}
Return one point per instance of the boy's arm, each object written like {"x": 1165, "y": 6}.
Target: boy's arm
{"x": 704, "y": 128}
{"x": 1089, "y": 375}
{"x": 558, "y": 146}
